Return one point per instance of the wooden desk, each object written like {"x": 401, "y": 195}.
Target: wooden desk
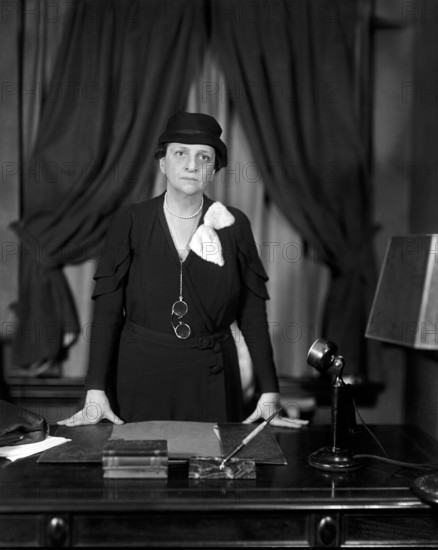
{"x": 294, "y": 505}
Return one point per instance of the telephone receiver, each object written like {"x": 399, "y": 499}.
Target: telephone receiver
{"x": 323, "y": 355}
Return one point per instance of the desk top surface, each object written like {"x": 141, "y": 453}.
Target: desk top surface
{"x": 27, "y": 484}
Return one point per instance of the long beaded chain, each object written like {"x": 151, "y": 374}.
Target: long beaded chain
{"x": 181, "y": 279}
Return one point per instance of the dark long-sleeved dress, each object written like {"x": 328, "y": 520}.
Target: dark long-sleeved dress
{"x": 135, "y": 355}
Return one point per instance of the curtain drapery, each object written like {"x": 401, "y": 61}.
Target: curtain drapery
{"x": 290, "y": 72}
{"x": 122, "y": 68}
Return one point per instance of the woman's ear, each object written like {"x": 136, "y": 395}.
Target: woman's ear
{"x": 163, "y": 165}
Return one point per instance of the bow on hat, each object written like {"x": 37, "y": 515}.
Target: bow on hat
{"x": 205, "y": 241}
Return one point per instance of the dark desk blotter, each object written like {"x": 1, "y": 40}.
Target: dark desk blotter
{"x": 86, "y": 444}
{"x": 263, "y": 449}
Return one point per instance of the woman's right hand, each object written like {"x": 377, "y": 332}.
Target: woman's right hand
{"x": 96, "y": 408}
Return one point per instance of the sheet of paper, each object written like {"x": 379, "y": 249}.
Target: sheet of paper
{"x": 14, "y": 452}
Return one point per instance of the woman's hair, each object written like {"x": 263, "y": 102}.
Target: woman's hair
{"x": 161, "y": 150}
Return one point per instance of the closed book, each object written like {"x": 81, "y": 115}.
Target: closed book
{"x": 136, "y": 472}
{"x": 121, "y": 461}
{"x": 135, "y": 447}
{"x": 135, "y": 459}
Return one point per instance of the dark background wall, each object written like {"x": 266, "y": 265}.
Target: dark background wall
{"x": 9, "y": 162}
{"x": 9, "y": 176}
{"x": 422, "y": 367}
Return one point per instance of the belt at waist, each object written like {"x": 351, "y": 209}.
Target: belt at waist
{"x": 210, "y": 341}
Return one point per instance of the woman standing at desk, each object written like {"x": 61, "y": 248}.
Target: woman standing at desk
{"x": 176, "y": 272}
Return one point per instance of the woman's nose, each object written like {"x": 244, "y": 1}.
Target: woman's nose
{"x": 192, "y": 164}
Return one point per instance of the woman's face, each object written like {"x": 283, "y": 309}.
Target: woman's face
{"x": 188, "y": 168}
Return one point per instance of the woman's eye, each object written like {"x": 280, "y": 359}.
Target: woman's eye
{"x": 205, "y": 158}
{"x": 179, "y": 153}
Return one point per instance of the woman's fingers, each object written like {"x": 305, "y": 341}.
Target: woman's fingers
{"x": 285, "y": 422}
{"x": 112, "y": 417}
{"x": 252, "y": 417}
{"x": 96, "y": 408}
{"x": 262, "y": 412}
{"x": 280, "y": 421}
{"x": 65, "y": 421}
{"x": 92, "y": 413}
{"x": 78, "y": 419}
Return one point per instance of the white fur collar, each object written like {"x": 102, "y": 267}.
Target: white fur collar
{"x": 205, "y": 241}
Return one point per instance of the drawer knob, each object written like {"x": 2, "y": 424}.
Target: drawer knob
{"x": 327, "y": 531}
{"x": 57, "y": 531}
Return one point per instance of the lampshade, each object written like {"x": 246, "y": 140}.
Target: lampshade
{"x": 405, "y": 311}
{"x": 405, "y": 305}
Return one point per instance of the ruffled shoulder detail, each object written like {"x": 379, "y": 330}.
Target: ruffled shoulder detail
{"x": 253, "y": 273}
{"x": 205, "y": 241}
{"x": 116, "y": 255}
{"x": 218, "y": 216}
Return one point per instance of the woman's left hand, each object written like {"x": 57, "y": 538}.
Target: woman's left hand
{"x": 267, "y": 405}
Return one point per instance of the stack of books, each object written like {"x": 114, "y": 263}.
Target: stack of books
{"x": 135, "y": 459}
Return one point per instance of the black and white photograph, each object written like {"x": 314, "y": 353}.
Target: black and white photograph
{"x": 219, "y": 273}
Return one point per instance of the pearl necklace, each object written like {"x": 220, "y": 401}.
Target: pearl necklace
{"x": 182, "y": 217}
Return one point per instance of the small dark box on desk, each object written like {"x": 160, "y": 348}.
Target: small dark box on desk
{"x": 135, "y": 459}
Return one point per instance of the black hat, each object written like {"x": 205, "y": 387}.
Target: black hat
{"x": 193, "y": 128}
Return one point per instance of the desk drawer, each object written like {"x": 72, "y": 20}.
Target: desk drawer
{"x": 386, "y": 528}
{"x": 194, "y": 528}
{"x": 21, "y": 530}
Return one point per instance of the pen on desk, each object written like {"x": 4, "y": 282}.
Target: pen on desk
{"x": 249, "y": 438}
